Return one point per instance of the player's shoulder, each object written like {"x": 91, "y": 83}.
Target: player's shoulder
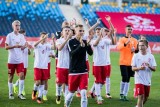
{"x": 10, "y": 34}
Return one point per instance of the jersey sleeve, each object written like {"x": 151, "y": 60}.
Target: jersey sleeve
{"x": 58, "y": 42}
{"x": 7, "y": 39}
{"x": 153, "y": 61}
{"x": 133, "y": 63}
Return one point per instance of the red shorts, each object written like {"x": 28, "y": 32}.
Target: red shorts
{"x": 141, "y": 89}
{"x": 25, "y": 72}
{"x": 100, "y": 74}
{"x": 108, "y": 71}
{"x": 18, "y": 67}
{"x": 78, "y": 81}
{"x": 40, "y": 74}
{"x": 87, "y": 63}
{"x": 62, "y": 75}
{"x": 48, "y": 71}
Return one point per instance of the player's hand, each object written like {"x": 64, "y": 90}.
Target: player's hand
{"x": 132, "y": 49}
{"x": 99, "y": 20}
{"x": 46, "y": 36}
{"x": 108, "y": 18}
{"x": 82, "y": 43}
{"x": 86, "y": 20}
{"x": 142, "y": 68}
{"x": 115, "y": 31}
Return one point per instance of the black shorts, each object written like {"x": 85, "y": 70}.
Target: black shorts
{"x": 126, "y": 71}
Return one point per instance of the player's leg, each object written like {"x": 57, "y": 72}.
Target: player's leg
{"x": 108, "y": 81}
{"x": 83, "y": 89}
{"x": 20, "y": 71}
{"x": 73, "y": 84}
{"x": 11, "y": 71}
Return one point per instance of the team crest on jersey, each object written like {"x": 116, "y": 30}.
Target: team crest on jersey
{"x": 102, "y": 47}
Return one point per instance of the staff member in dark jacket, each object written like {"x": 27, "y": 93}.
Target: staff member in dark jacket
{"x": 78, "y": 73}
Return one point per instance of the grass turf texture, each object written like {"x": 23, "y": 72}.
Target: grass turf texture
{"x": 115, "y": 84}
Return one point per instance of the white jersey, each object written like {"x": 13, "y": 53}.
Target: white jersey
{"x": 15, "y": 54}
{"x": 108, "y": 49}
{"x": 41, "y": 52}
{"x": 63, "y": 55}
{"x": 25, "y": 57}
{"x": 100, "y": 52}
{"x": 143, "y": 76}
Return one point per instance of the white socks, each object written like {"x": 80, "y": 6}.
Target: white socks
{"x": 58, "y": 90}
{"x": 40, "y": 91}
{"x": 35, "y": 88}
{"x": 68, "y": 99}
{"x": 126, "y": 89}
{"x": 17, "y": 83}
{"x": 93, "y": 88}
{"x": 107, "y": 85}
{"x": 45, "y": 92}
{"x": 97, "y": 89}
{"x": 21, "y": 84}
{"x": 66, "y": 90}
{"x": 122, "y": 84}
{"x": 84, "y": 101}
{"x": 10, "y": 86}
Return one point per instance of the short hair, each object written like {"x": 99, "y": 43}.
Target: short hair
{"x": 65, "y": 23}
{"x": 43, "y": 33}
{"x": 128, "y": 25}
{"x": 98, "y": 28}
{"x": 16, "y": 21}
{"x": 22, "y": 31}
{"x": 66, "y": 27}
{"x": 79, "y": 25}
{"x": 144, "y": 41}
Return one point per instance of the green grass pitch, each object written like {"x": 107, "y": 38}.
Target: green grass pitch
{"x": 154, "y": 99}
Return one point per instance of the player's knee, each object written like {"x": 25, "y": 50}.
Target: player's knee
{"x": 21, "y": 76}
{"x": 10, "y": 78}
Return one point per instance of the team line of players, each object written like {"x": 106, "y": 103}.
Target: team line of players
{"x": 72, "y": 65}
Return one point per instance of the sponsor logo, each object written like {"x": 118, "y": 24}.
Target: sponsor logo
{"x": 141, "y": 24}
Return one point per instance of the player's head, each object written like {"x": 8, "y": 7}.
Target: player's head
{"x": 42, "y": 35}
{"x": 104, "y": 31}
{"x": 22, "y": 31}
{"x": 72, "y": 31}
{"x": 143, "y": 45}
{"x": 65, "y": 23}
{"x": 128, "y": 30}
{"x": 142, "y": 37}
{"x": 79, "y": 30}
{"x": 98, "y": 29}
{"x": 16, "y": 25}
{"x": 65, "y": 31}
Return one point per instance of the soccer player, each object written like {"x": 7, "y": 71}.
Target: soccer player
{"x": 25, "y": 53}
{"x": 51, "y": 55}
{"x": 63, "y": 63}
{"x": 108, "y": 35}
{"x": 15, "y": 43}
{"x": 78, "y": 74}
{"x": 143, "y": 63}
{"x": 127, "y": 46}
{"x": 41, "y": 51}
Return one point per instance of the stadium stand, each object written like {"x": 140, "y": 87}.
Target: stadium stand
{"x": 41, "y": 15}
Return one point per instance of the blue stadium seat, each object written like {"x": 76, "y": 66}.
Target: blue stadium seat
{"x": 35, "y": 17}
